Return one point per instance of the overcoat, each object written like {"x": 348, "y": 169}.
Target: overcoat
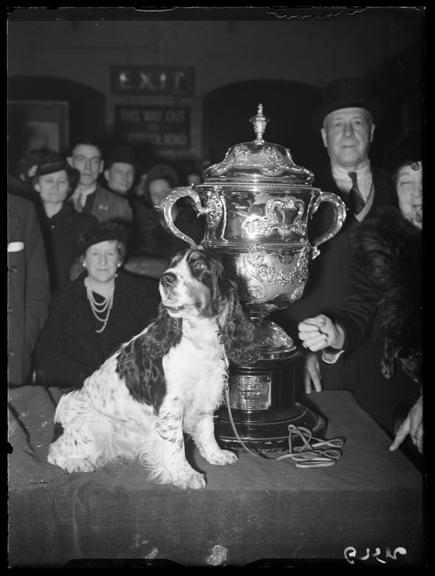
{"x": 61, "y": 233}
{"x": 381, "y": 314}
{"x": 28, "y": 286}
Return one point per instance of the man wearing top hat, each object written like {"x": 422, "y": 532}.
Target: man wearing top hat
{"x": 346, "y": 122}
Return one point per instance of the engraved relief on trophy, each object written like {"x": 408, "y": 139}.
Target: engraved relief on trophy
{"x": 271, "y": 275}
{"x": 280, "y": 215}
{"x": 215, "y": 216}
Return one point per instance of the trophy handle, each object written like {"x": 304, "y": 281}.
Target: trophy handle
{"x": 339, "y": 217}
{"x": 168, "y": 202}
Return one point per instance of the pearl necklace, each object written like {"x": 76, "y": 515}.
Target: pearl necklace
{"x": 101, "y": 311}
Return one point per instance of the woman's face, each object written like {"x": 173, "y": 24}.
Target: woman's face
{"x": 53, "y": 187}
{"x": 158, "y": 188}
{"x": 410, "y": 192}
{"x": 102, "y": 260}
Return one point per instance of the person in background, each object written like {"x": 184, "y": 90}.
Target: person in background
{"x": 89, "y": 196}
{"x": 120, "y": 170}
{"x": 345, "y": 120}
{"x": 18, "y": 180}
{"x": 28, "y": 287}
{"x": 384, "y": 301}
{"x": 53, "y": 179}
{"x": 137, "y": 190}
{"x": 152, "y": 236}
{"x": 92, "y": 316}
{"x": 192, "y": 174}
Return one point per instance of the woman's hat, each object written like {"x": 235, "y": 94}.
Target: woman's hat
{"x": 101, "y": 232}
{"x": 343, "y": 93}
{"x": 405, "y": 150}
{"x": 164, "y": 171}
{"x": 50, "y": 162}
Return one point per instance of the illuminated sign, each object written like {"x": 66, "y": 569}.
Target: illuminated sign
{"x": 152, "y": 80}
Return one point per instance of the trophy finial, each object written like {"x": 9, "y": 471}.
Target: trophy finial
{"x": 259, "y": 123}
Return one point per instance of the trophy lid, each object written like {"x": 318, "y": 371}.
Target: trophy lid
{"x": 258, "y": 161}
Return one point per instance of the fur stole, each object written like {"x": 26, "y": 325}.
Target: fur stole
{"x": 389, "y": 248}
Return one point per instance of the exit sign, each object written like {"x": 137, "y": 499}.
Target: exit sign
{"x": 152, "y": 80}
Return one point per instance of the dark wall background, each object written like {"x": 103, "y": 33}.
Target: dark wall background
{"x": 287, "y": 104}
{"x": 240, "y": 57}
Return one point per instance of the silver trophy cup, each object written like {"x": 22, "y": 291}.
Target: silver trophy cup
{"x": 258, "y": 204}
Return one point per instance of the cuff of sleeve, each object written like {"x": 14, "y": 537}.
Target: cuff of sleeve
{"x": 331, "y": 355}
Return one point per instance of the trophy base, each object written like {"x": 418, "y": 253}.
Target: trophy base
{"x": 264, "y": 400}
{"x": 266, "y": 432}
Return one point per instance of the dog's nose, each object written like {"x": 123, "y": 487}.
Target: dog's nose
{"x": 168, "y": 279}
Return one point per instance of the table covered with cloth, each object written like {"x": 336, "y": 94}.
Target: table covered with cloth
{"x": 367, "y": 508}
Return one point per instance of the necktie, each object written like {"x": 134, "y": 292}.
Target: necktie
{"x": 356, "y": 201}
{"x": 79, "y": 199}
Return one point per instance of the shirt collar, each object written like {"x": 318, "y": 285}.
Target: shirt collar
{"x": 86, "y": 191}
{"x": 341, "y": 173}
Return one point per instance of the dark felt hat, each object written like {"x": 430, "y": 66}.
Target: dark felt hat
{"x": 100, "y": 233}
{"x": 123, "y": 154}
{"x": 343, "y": 93}
{"x": 50, "y": 162}
{"x": 164, "y": 171}
{"x": 406, "y": 150}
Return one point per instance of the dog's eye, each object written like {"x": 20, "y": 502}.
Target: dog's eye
{"x": 198, "y": 266}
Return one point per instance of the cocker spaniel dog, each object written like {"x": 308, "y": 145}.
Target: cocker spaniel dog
{"x": 167, "y": 380}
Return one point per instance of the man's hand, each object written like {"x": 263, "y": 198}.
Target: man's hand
{"x": 320, "y": 332}
{"x": 312, "y": 373}
{"x": 412, "y": 425}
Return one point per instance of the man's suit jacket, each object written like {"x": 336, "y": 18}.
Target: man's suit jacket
{"x": 28, "y": 286}
{"x": 107, "y": 205}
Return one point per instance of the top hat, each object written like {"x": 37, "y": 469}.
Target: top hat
{"x": 343, "y": 93}
{"x": 50, "y": 162}
{"x": 123, "y": 154}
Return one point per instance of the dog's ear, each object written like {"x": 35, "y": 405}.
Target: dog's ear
{"x": 143, "y": 377}
{"x": 238, "y": 332}
{"x": 223, "y": 288}
{"x": 139, "y": 363}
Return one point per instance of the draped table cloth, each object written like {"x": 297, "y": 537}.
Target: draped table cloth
{"x": 366, "y": 509}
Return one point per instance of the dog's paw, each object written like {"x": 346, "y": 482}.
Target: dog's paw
{"x": 221, "y": 458}
{"x": 191, "y": 480}
{"x": 77, "y": 465}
